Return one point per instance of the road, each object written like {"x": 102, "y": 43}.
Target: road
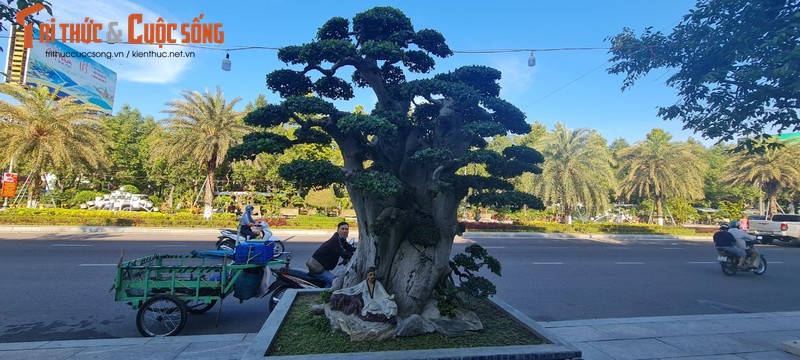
{"x": 57, "y": 287}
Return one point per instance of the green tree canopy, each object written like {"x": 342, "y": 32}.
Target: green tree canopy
{"x": 50, "y": 134}
{"x": 659, "y": 169}
{"x": 201, "y": 129}
{"x": 576, "y": 172}
{"x": 774, "y": 170}
{"x": 737, "y": 66}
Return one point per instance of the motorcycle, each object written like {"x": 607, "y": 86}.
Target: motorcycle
{"x": 229, "y": 238}
{"x": 296, "y": 278}
{"x": 729, "y": 262}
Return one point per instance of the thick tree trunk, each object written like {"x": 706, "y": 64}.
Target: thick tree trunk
{"x": 408, "y": 270}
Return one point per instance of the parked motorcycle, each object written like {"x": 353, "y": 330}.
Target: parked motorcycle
{"x": 729, "y": 262}
{"x": 296, "y": 278}
{"x": 229, "y": 238}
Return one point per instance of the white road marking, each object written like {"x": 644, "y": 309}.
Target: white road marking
{"x": 547, "y": 263}
{"x": 673, "y": 248}
{"x": 70, "y": 245}
{"x": 485, "y": 247}
{"x": 97, "y": 265}
{"x": 774, "y": 262}
{"x": 629, "y": 262}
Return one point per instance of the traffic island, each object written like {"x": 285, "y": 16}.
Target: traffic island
{"x": 550, "y": 346}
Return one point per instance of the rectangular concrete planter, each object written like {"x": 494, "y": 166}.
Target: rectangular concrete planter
{"x": 557, "y": 350}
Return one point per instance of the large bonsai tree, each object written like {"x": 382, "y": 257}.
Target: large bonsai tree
{"x": 400, "y": 160}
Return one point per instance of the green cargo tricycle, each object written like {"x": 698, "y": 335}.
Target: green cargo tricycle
{"x": 164, "y": 288}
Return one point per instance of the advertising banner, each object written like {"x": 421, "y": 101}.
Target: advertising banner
{"x": 55, "y": 65}
{"x": 9, "y": 185}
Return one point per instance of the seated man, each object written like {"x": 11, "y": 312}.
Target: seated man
{"x": 725, "y": 240}
{"x": 368, "y": 300}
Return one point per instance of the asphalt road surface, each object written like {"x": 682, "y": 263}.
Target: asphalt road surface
{"x": 57, "y": 287}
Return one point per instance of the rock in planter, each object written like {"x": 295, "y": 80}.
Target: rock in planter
{"x": 359, "y": 330}
{"x": 414, "y": 325}
{"x": 464, "y": 320}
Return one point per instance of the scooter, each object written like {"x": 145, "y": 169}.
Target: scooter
{"x": 729, "y": 262}
{"x": 296, "y": 278}
{"x": 229, "y": 238}
{"x": 290, "y": 278}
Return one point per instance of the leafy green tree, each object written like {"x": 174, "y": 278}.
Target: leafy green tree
{"x": 576, "y": 172}
{"x": 201, "y": 129}
{"x": 128, "y": 131}
{"x": 736, "y": 61}
{"x": 400, "y": 160}
{"x": 323, "y": 198}
{"x": 658, "y": 169}
{"x": 49, "y": 134}
{"x": 716, "y": 189}
{"x": 773, "y": 170}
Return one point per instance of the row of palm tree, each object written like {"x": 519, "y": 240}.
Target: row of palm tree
{"x": 49, "y": 134}
{"x": 581, "y": 170}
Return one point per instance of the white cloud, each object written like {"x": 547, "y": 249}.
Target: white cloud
{"x": 517, "y": 77}
{"x": 143, "y": 70}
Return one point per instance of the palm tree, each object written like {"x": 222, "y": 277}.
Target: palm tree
{"x": 50, "y": 134}
{"x": 576, "y": 171}
{"x": 202, "y": 128}
{"x": 773, "y": 170}
{"x": 658, "y": 169}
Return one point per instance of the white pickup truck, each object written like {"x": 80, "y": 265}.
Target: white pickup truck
{"x": 783, "y": 227}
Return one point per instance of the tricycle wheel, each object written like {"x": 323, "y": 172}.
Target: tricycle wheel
{"x": 228, "y": 244}
{"x": 161, "y": 315}
{"x": 278, "y": 249}
{"x": 276, "y": 296}
{"x": 199, "y": 306}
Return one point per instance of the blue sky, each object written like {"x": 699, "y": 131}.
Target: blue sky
{"x": 571, "y": 87}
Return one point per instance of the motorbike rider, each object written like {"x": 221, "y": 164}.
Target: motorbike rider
{"x": 725, "y": 240}
{"x": 327, "y": 255}
{"x": 246, "y": 222}
{"x": 741, "y": 237}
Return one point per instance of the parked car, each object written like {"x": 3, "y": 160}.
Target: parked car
{"x": 783, "y": 227}
{"x": 121, "y": 200}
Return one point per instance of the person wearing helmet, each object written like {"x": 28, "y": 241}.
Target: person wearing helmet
{"x": 724, "y": 240}
{"x": 741, "y": 240}
{"x": 246, "y": 222}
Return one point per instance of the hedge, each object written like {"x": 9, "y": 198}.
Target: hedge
{"x": 583, "y": 228}
{"x": 72, "y": 217}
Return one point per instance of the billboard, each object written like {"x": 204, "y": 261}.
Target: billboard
{"x": 56, "y": 65}
{"x": 9, "y": 185}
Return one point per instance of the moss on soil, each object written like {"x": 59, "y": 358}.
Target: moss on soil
{"x": 303, "y": 333}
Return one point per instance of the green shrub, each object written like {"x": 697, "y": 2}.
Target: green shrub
{"x": 130, "y": 188}
{"x": 84, "y": 196}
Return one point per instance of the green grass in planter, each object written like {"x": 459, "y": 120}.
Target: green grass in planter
{"x": 303, "y": 334}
